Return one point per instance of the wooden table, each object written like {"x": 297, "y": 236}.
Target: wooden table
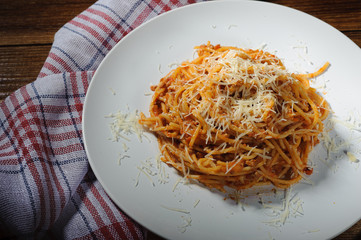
{"x": 27, "y": 29}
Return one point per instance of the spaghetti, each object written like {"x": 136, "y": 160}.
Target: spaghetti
{"x": 236, "y": 118}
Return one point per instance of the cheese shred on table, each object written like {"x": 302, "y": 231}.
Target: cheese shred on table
{"x": 236, "y": 118}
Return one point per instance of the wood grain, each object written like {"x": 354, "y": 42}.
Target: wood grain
{"x": 35, "y": 22}
{"x": 343, "y": 15}
{"x": 27, "y": 29}
{"x": 20, "y": 65}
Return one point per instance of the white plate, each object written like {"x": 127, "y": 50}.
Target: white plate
{"x": 304, "y": 43}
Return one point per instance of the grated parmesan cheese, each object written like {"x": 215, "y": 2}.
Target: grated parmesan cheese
{"x": 232, "y": 26}
{"x": 146, "y": 173}
{"x": 257, "y": 91}
{"x": 187, "y": 223}
{"x": 291, "y": 207}
{"x": 196, "y": 203}
{"x": 352, "y": 157}
{"x": 176, "y": 209}
{"x": 124, "y": 125}
{"x": 112, "y": 91}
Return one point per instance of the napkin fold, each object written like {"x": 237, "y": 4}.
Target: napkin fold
{"x": 47, "y": 188}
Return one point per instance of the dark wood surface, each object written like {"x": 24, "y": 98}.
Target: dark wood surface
{"x": 27, "y": 28}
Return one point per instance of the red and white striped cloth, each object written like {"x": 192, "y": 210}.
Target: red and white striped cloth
{"x": 47, "y": 189}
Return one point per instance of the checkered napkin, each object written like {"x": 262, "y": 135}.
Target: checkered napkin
{"x": 47, "y": 189}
